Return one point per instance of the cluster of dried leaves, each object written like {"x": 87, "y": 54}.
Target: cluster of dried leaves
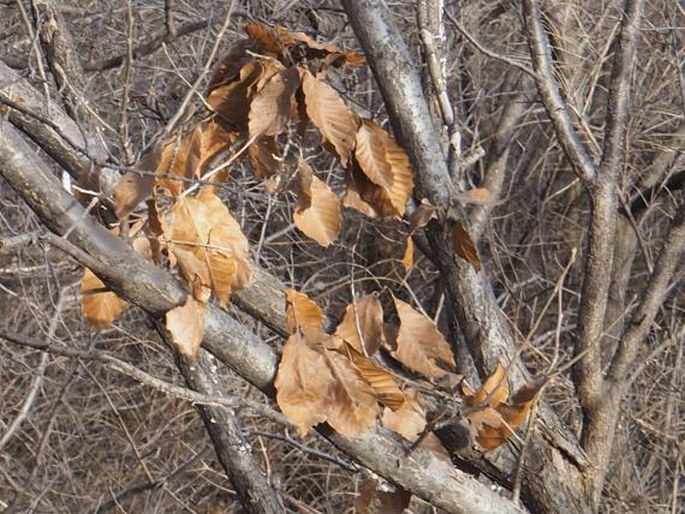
{"x": 267, "y": 86}
{"x": 339, "y": 379}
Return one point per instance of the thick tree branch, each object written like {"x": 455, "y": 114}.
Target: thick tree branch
{"x": 597, "y": 437}
{"x": 232, "y": 447}
{"x": 486, "y": 331}
{"x": 157, "y": 291}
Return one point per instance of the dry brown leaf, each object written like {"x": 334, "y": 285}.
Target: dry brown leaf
{"x": 263, "y": 152}
{"x": 204, "y": 226}
{"x": 301, "y": 312}
{"x": 265, "y": 37}
{"x": 423, "y": 213}
{"x": 215, "y": 139}
{"x": 376, "y": 201}
{"x": 371, "y": 143}
{"x": 195, "y": 272}
{"x": 186, "y": 323}
{"x": 102, "y": 308}
{"x": 408, "y": 421}
{"x": 352, "y": 404}
{"x": 493, "y": 419}
{"x": 315, "y": 384}
{"x": 518, "y": 408}
{"x": 135, "y": 187}
{"x": 408, "y": 258}
{"x": 464, "y": 246}
{"x": 380, "y": 380}
{"x": 495, "y": 390}
{"x": 303, "y": 384}
{"x": 363, "y": 318}
{"x": 272, "y": 106}
{"x": 329, "y": 114}
{"x": 477, "y": 196}
{"x": 232, "y": 100}
{"x": 322, "y": 219}
{"x": 353, "y": 200}
{"x": 420, "y": 346}
{"x": 230, "y": 65}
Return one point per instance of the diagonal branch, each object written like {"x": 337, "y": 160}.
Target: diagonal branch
{"x": 156, "y": 291}
{"x": 548, "y": 86}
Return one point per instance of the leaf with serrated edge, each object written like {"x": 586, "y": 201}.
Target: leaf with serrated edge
{"x": 371, "y": 142}
{"x": 301, "y": 312}
{"x": 204, "y": 226}
{"x": 271, "y": 107}
{"x": 329, "y": 114}
{"x": 363, "y": 317}
{"x": 420, "y": 346}
{"x": 380, "y": 380}
{"x": 303, "y": 384}
{"x": 352, "y": 405}
{"x": 186, "y": 323}
{"x": 322, "y": 220}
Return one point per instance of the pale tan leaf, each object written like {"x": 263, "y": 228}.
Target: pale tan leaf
{"x": 301, "y": 312}
{"x": 363, "y": 318}
{"x": 100, "y": 309}
{"x": 408, "y": 421}
{"x": 272, "y": 106}
{"x": 322, "y": 219}
{"x": 303, "y": 384}
{"x": 420, "y": 346}
{"x": 408, "y": 258}
{"x": 464, "y": 245}
{"x": 186, "y": 323}
{"x": 204, "y": 226}
{"x": 477, "y": 196}
{"x": 329, "y": 114}
{"x": 370, "y": 152}
{"x": 380, "y": 380}
{"x": 352, "y": 406}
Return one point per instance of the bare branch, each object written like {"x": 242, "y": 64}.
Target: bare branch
{"x": 551, "y": 96}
